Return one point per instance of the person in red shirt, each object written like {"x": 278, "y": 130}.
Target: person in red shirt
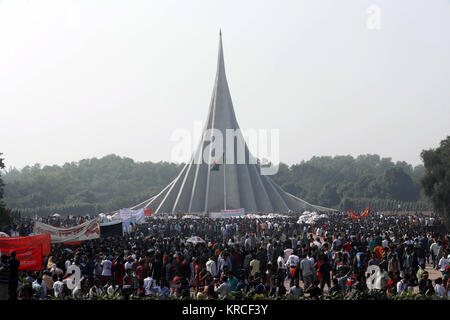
{"x": 347, "y": 247}
{"x": 391, "y": 283}
{"x": 141, "y": 271}
{"x": 118, "y": 271}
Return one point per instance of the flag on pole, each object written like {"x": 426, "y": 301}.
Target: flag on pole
{"x": 216, "y": 165}
{"x": 352, "y": 215}
{"x": 366, "y": 212}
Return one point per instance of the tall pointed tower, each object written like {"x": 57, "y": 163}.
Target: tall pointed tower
{"x": 200, "y": 189}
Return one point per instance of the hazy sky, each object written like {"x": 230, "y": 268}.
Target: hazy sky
{"x": 81, "y": 79}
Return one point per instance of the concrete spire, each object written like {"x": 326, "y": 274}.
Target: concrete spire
{"x": 198, "y": 189}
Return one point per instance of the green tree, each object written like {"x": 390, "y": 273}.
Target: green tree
{"x": 112, "y": 182}
{"x": 5, "y": 214}
{"x": 436, "y": 182}
{"x": 328, "y": 196}
{"x": 400, "y": 186}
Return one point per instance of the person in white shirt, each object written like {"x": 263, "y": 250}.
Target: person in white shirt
{"x": 129, "y": 264}
{"x": 96, "y": 291}
{"x": 113, "y": 289}
{"x": 402, "y": 286}
{"x": 148, "y": 285}
{"x": 287, "y": 253}
{"x": 107, "y": 265}
{"x": 58, "y": 287}
{"x": 281, "y": 262}
{"x": 443, "y": 263}
{"x": 438, "y": 288}
{"x": 434, "y": 250}
{"x": 381, "y": 279}
{"x": 292, "y": 261}
{"x": 40, "y": 288}
{"x": 224, "y": 288}
{"x": 211, "y": 267}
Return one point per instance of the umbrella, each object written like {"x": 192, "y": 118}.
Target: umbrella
{"x": 56, "y": 215}
{"x": 3, "y": 235}
{"x": 195, "y": 240}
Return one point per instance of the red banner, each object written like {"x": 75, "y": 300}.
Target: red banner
{"x": 73, "y": 243}
{"x": 30, "y": 258}
{"x": 148, "y": 212}
{"x": 7, "y": 243}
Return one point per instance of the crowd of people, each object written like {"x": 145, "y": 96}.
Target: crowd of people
{"x": 334, "y": 257}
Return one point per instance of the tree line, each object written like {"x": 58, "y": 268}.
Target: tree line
{"x": 113, "y": 182}
{"x": 88, "y": 186}
{"x": 346, "y": 182}
{"x": 5, "y": 213}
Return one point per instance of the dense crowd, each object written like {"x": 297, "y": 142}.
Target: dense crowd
{"x": 333, "y": 256}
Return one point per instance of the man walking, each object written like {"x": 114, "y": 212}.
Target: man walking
{"x": 13, "y": 276}
{"x": 307, "y": 267}
{"x": 4, "y": 277}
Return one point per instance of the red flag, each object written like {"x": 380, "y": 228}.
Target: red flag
{"x": 366, "y": 212}
{"x": 148, "y": 212}
{"x": 353, "y": 216}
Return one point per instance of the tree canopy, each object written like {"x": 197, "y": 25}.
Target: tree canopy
{"x": 436, "y": 182}
{"x": 87, "y": 186}
{"x": 112, "y": 182}
{"x": 4, "y": 213}
{"x": 346, "y": 182}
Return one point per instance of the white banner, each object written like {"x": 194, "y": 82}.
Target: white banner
{"x": 227, "y": 213}
{"x": 87, "y": 231}
{"x": 233, "y": 213}
{"x": 132, "y": 216}
{"x": 215, "y": 215}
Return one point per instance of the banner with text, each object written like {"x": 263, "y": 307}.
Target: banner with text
{"x": 30, "y": 258}
{"x": 227, "y": 213}
{"x": 87, "y": 231}
{"x": 7, "y": 243}
{"x": 132, "y": 216}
